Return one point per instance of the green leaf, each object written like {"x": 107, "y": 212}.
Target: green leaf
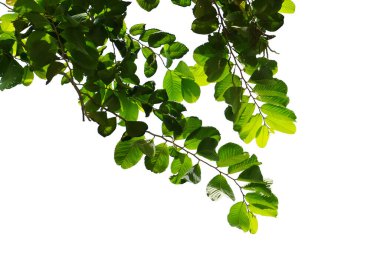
{"x": 26, "y": 6}
{"x": 263, "y": 203}
{"x": 194, "y": 175}
{"x": 288, "y": 7}
{"x": 147, "y": 147}
{"x": 108, "y": 128}
{"x": 249, "y": 130}
{"x": 54, "y": 69}
{"x": 190, "y": 90}
{"x": 160, "y": 38}
{"x": 193, "y": 140}
{"x": 160, "y": 161}
{"x": 11, "y": 73}
{"x": 150, "y": 66}
{"x": 192, "y": 124}
{"x": 148, "y": 5}
{"x": 215, "y": 69}
{"x": 262, "y": 136}
{"x": 41, "y": 48}
{"x": 272, "y": 87}
{"x": 137, "y": 29}
{"x": 205, "y": 25}
{"x": 243, "y": 165}
{"x": 222, "y": 86}
{"x": 173, "y": 86}
{"x": 278, "y": 112}
{"x": 252, "y": 174}
{"x": 182, "y": 3}
{"x": 200, "y": 76}
{"x": 239, "y": 217}
{"x": 230, "y": 154}
{"x": 181, "y": 164}
{"x": 243, "y": 116}
{"x": 218, "y": 186}
{"x": 127, "y": 153}
{"x": 28, "y": 76}
{"x": 136, "y": 128}
{"x": 175, "y": 51}
{"x": 207, "y": 147}
{"x": 281, "y": 125}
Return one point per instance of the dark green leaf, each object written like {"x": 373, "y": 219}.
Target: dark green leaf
{"x": 160, "y": 38}
{"x": 252, "y": 174}
{"x": 11, "y": 73}
{"x": 243, "y": 165}
{"x": 137, "y": 29}
{"x": 206, "y": 148}
{"x": 136, "y": 128}
{"x": 193, "y": 140}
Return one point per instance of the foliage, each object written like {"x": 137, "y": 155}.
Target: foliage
{"x": 68, "y": 39}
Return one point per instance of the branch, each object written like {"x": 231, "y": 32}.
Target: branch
{"x": 70, "y": 77}
{"x": 237, "y": 65}
{"x": 9, "y": 8}
{"x": 178, "y": 146}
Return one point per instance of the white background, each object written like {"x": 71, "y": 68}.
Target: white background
{"x": 60, "y": 190}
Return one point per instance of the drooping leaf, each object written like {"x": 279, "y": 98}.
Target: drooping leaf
{"x": 218, "y": 186}
{"x": 190, "y": 90}
{"x": 136, "y": 128}
{"x": 147, "y": 147}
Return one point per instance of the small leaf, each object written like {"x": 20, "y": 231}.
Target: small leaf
{"x": 262, "y": 136}
{"x": 108, "y": 128}
{"x": 288, "y": 7}
{"x": 28, "y": 76}
{"x": 217, "y": 186}
{"x": 137, "y": 29}
{"x": 160, "y": 38}
{"x": 160, "y": 161}
{"x": 180, "y": 166}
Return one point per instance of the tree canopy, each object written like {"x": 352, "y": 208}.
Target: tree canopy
{"x": 70, "y": 40}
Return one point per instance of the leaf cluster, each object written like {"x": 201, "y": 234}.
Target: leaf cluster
{"x": 87, "y": 44}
